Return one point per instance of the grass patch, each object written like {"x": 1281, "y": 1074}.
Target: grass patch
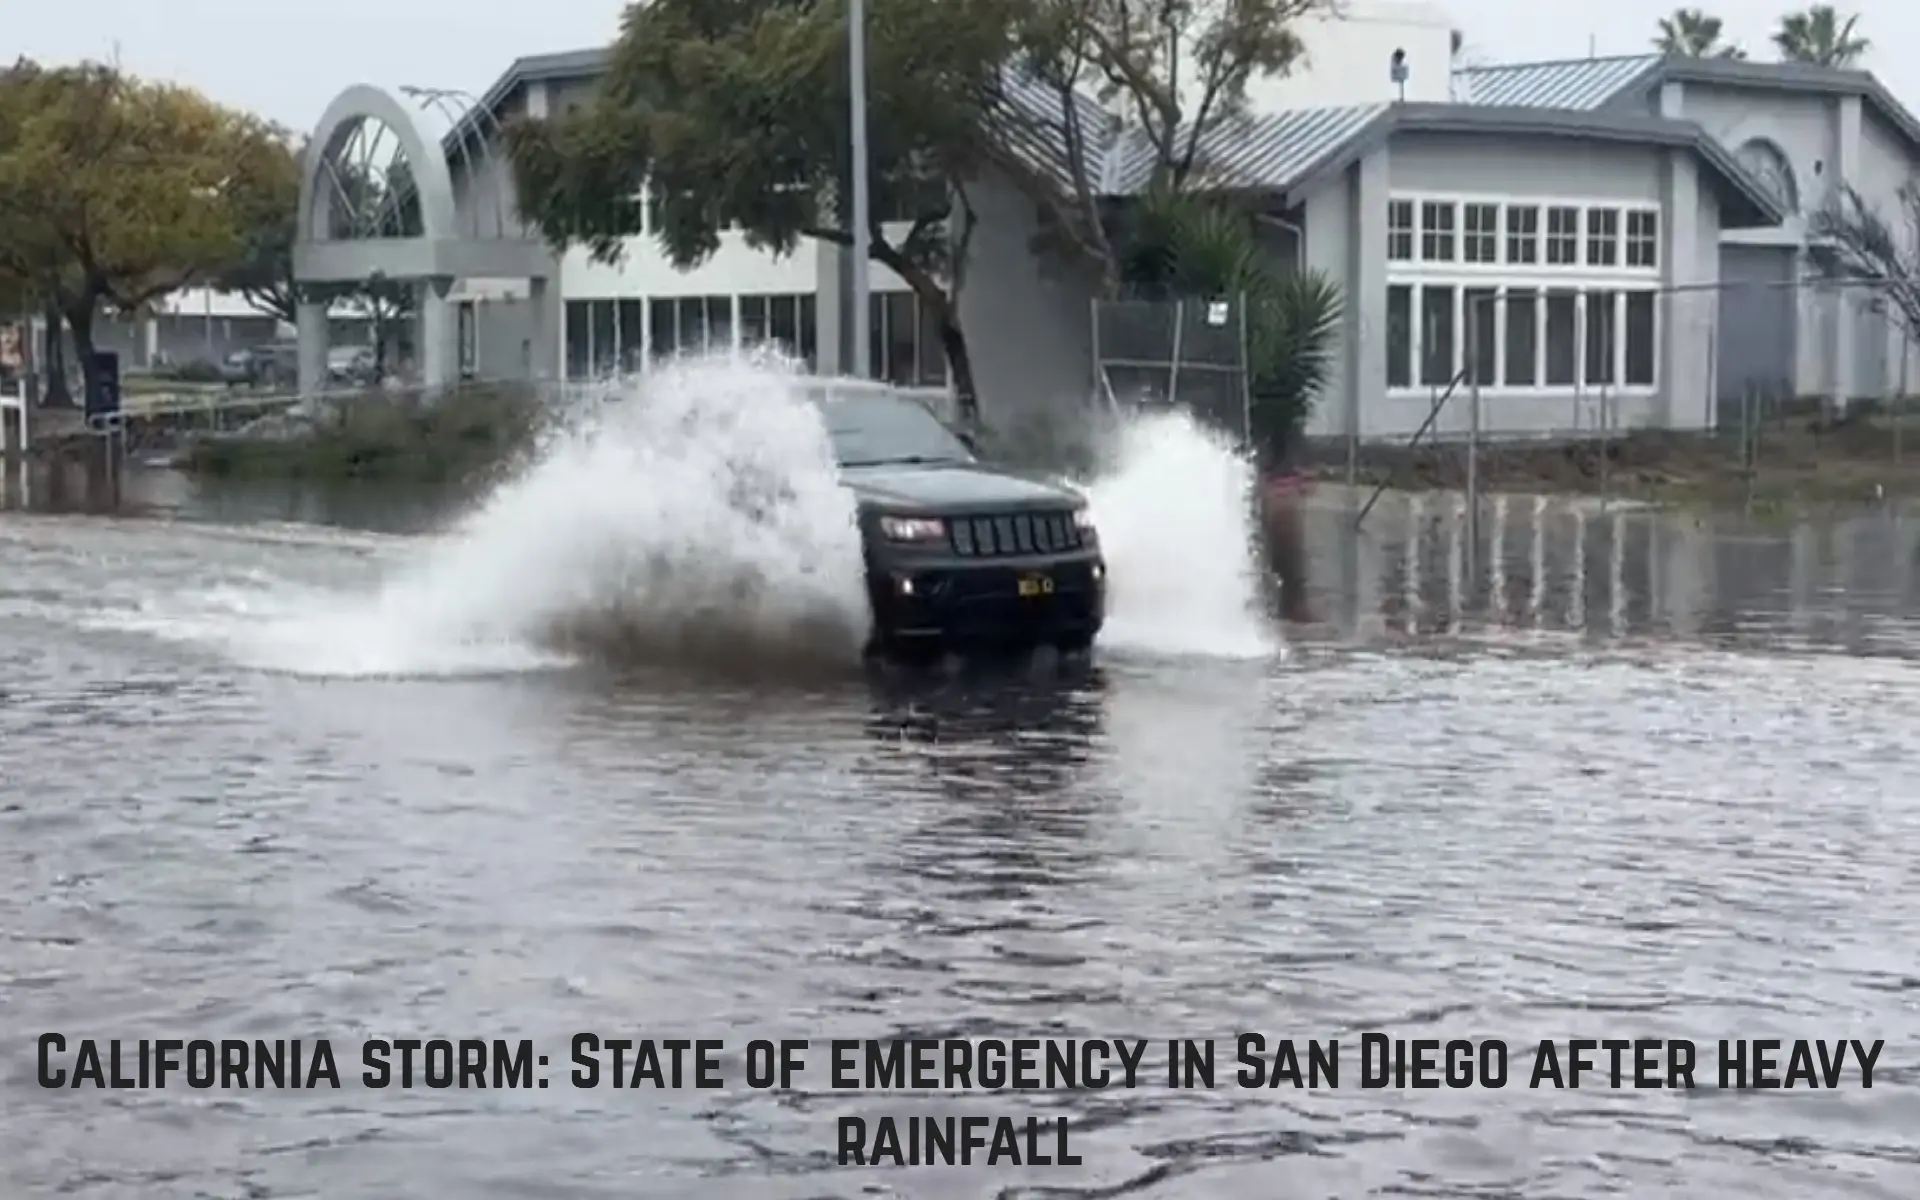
{"x": 384, "y": 436}
{"x": 1793, "y": 464}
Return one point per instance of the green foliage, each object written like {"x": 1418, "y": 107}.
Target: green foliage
{"x": 1819, "y": 36}
{"x": 263, "y": 272}
{"x": 1693, "y": 33}
{"x": 114, "y": 191}
{"x": 1179, "y": 245}
{"x": 1178, "y": 71}
{"x": 735, "y": 114}
{"x": 472, "y": 432}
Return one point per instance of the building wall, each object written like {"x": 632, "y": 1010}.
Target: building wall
{"x": 1029, "y": 321}
{"x": 1605, "y": 344}
{"x": 1888, "y": 163}
{"x": 1348, "y": 56}
{"x": 1845, "y": 345}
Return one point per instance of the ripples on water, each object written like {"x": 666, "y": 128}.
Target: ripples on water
{"x": 1586, "y": 794}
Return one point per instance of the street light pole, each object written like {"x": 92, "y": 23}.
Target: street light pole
{"x": 860, "y": 307}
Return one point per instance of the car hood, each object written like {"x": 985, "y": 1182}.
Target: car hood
{"x": 952, "y": 487}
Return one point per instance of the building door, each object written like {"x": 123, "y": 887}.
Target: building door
{"x": 1759, "y": 307}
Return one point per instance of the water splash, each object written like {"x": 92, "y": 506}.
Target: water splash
{"x": 694, "y": 516}
{"x": 690, "y": 515}
{"x": 1175, "y": 520}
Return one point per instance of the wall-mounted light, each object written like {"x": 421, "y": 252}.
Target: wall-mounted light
{"x": 1397, "y": 71}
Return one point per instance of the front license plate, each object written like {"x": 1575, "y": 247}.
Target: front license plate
{"x": 1036, "y": 585}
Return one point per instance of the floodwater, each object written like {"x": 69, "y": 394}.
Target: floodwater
{"x": 1615, "y": 775}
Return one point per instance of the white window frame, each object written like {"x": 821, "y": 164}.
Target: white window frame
{"x": 1540, "y": 285}
{"x": 1541, "y": 277}
{"x": 1410, "y": 231}
{"x": 1451, "y": 233}
{"x": 1628, "y": 239}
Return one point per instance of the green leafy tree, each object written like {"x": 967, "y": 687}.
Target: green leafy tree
{"x": 735, "y": 115}
{"x": 1177, "y": 72}
{"x": 1819, "y": 36}
{"x": 263, "y": 274}
{"x": 115, "y": 191}
{"x": 1693, "y": 33}
{"x": 1180, "y": 245}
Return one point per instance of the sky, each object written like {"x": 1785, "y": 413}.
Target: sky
{"x": 285, "y": 59}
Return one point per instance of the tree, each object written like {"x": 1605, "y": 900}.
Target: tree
{"x": 1692, "y": 33}
{"x": 736, "y": 115}
{"x": 1177, "y": 71}
{"x": 263, "y": 273}
{"x": 1820, "y": 37}
{"x": 1852, "y": 242}
{"x": 115, "y": 191}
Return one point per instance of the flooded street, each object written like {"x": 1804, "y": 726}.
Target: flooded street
{"x": 1615, "y": 775}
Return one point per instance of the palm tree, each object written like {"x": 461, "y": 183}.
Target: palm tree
{"x": 1820, "y": 37}
{"x": 1180, "y": 244}
{"x": 1692, "y": 33}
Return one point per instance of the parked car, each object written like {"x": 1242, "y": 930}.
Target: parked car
{"x": 350, "y": 364}
{"x": 271, "y": 365}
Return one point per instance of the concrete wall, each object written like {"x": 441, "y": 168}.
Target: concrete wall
{"x": 1347, "y": 237}
{"x": 1029, "y": 322}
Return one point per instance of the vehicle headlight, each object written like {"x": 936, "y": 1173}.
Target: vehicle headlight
{"x": 1083, "y": 519}
{"x": 913, "y": 529}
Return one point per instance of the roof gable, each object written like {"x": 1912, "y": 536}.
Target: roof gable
{"x": 1744, "y": 201}
{"x": 1593, "y": 83}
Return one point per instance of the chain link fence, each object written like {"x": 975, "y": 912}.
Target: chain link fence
{"x": 1185, "y": 353}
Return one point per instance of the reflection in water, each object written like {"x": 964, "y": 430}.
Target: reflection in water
{"x": 1570, "y": 567}
{"x": 1431, "y": 837}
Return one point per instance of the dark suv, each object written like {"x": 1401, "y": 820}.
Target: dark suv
{"x": 960, "y": 555}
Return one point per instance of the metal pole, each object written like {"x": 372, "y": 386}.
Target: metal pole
{"x": 1473, "y": 439}
{"x": 1246, "y": 376}
{"x": 1900, "y": 406}
{"x": 1173, "y": 368}
{"x": 861, "y": 316}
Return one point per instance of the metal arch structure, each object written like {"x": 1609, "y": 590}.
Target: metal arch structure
{"x": 332, "y": 258}
{"x": 316, "y": 259}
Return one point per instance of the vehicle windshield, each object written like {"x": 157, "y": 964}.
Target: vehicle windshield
{"x": 869, "y": 431}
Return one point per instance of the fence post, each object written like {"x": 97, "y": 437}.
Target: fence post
{"x": 1748, "y": 434}
{"x": 1173, "y": 369}
{"x": 1900, "y": 404}
{"x": 1246, "y": 378}
{"x": 1473, "y": 440}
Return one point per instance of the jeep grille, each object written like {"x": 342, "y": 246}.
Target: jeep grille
{"x": 1013, "y": 534}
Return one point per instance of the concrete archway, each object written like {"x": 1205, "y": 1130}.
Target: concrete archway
{"x": 398, "y": 220}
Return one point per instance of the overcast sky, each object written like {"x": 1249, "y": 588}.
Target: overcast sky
{"x": 286, "y": 58}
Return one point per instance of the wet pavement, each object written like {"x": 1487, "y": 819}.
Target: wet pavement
{"x": 1626, "y": 776}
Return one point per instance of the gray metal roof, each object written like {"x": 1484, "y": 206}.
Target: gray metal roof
{"x": 1027, "y": 118}
{"x": 1296, "y": 151}
{"x": 1795, "y": 77}
{"x": 1263, "y": 152}
{"x": 1592, "y": 83}
{"x": 1586, "y": 83}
